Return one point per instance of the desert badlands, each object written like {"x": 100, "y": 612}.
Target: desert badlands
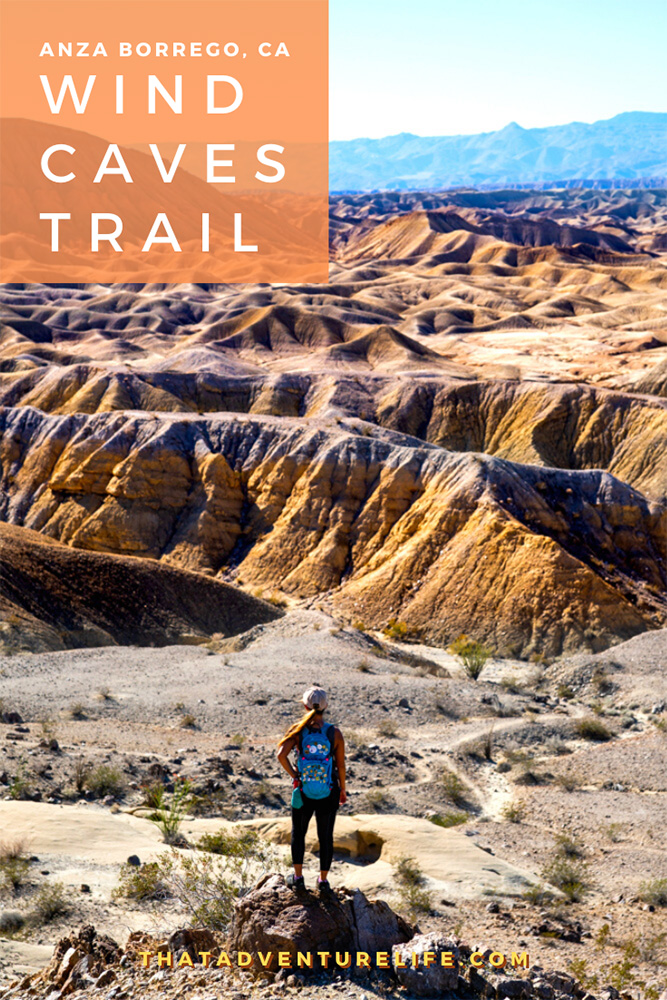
{"x": 214, "y": 495}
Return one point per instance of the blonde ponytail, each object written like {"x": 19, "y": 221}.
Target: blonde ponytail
{"x": 297, "y": 727}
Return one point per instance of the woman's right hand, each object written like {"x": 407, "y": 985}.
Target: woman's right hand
{"x": 343, "y": 798}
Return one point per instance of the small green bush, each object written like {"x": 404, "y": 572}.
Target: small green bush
{"x": 568, "y": 847}
{"x": 592, "y": 729}
{"x": 169, "y": 814}
{"x": 377, "y": 800}
{"x": 538, "y": 895}
{"x": 514, "y": 812}
{"x": 416, "y": 899}
{"x": 14, "y": 865}
{"x": 654, "y": 892}
{"x": 50, "y": 903}
{"x": 21, "y": 786}
{"x": 11, "y": 922}
{"x": 472, "y": 654}
{"x": 455, "y": 790}
{"x": 105, "y": 780}
{"x": 569, "y": 875}
{"x": 449, "y": 819}
{"x": 232, "y": 844}
{"x": 141, "y": 883}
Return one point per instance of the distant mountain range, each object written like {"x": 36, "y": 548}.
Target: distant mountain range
{"x": 630, "y": 146}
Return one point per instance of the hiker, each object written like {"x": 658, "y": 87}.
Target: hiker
{"x": 318, "y": 781}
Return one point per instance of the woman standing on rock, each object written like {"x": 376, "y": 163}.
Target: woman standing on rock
{"x": 319, "y": 783}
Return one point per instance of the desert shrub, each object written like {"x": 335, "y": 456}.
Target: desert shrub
{"x": 208, "y": 803}
{"x": 568, "y": 847}
{"x": 445, "y": 705}
{"x": 557, "y": 746}
{"x": 104, "y": 694}
{"x": 363, "y": 666}
{"x": 206, "y": 885}
{"x": 569, "y": 875}
{"x": 654, "y": 892}
{"x": 50, "y": 903}
{"x": 360, "y": 626}
{"x": 530, "y": 776}
{"x": 141, "y": 883}
{"x": 388, "y": 729}
{"x": 538, "y": 895}
{"x": 410, "y": 880}
{"x": 377, "y": 800}
{"x": 151, "y": 794}
{"x": 564, "y": 691}
{"x": 80, "y": 775}
{"x": 21, "y": 787}
{"x": 614, "y": 832}
{"x": 455, "y": 790}
{"x": 601, "y": 682}
{"x": 592, "y": 729}
{"x": 105, "y": 780}
{"x": 77, "y": 710}
{"x": 569, "y": 781}
{"x": 579, "y": 969}
{"x": 170, "y": 813}
{"x": 238, "y": 740}
{"x": 472, "y": 654}
{"x": 277, "y": 600}
{"x": 11, "y": 922}
{"x": 395, "y": 629}
{"x": 14, "y": 865}
{"x": 514, "y": 811}
{"x": 510, "y": 684}
{"x": 188, "y": 721}
{"x": 449, "y": 819}
{"x": 232, "y": 844}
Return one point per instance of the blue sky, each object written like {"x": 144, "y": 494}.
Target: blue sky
{"x": 447, "y": 67}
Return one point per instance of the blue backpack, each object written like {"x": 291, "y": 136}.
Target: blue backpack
{"x": 316, "y": 762}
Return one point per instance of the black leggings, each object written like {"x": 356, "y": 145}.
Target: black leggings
{"x": 325, "y": 813}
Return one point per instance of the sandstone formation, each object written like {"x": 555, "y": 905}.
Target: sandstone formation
{"x": 465, "y": 429}
{"x": 529, "y": 558}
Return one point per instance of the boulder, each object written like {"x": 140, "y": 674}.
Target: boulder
{"x": 273, "y": 918}
{"x": 79, "y": 957}
{"x": 193, "y": 941}
{"x": 514, "y": 989}
{"x": 376, "y": 927}
{"x": 426, "y": 980}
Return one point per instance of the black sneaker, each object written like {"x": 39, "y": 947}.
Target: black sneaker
{"x": 295, "y": 881}
{"x": 324, "y": 888}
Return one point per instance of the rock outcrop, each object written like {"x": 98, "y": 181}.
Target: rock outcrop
{"x": 527, "y": 558}
{"x": 55, "y": 597}
{"x": 272, "y": 918}
{"x": 420, "y": 967}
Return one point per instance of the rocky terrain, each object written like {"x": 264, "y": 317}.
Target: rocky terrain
{"x": 212, "y": 496}
{"x": 464, "y": 430}
{"x": 493, "y": 787}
